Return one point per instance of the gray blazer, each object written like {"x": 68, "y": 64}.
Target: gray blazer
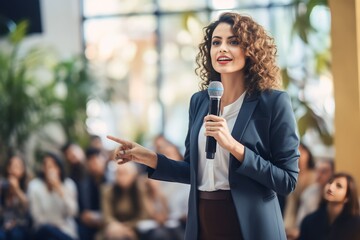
{"x": 267, "y": 128}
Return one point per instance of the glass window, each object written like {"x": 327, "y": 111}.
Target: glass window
{"x": 123, "y": 53}
{"x": 143, "y": 51}
{"x": 171, "y": 5}
{"x": 110, "y": 7}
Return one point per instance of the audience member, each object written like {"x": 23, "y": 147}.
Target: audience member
{"x": 305, "y": 179}
{"x": 338, "y": 216}
{"x": 124, "y": 203}
{"x": 53, "y": 204}
{"x": 75, "y": 161}
{"x": 177, "y": 194}
{"x": 312, "y": 195}
{"x": 91, "y": 219}
{"x": 14, "y": 215}
{"x": 96, "y": 142}
{"x": 158, "y": 212}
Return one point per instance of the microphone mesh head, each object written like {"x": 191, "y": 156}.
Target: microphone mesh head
{"x": 215, "y": 89}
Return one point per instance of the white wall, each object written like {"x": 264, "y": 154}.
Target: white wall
{"x": 61, "y": 21}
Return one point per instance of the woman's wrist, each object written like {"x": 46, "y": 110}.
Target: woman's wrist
{"x": 237, "y": 150}
{"x": 153, "y": 160}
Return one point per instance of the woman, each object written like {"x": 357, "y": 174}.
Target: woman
{"x": 124, "y": 204}
{"x": 14, "y": 204}
{"x": 234, "y": 195}
{"x": 53, "y": 203}
{"x": 338, "y": 216}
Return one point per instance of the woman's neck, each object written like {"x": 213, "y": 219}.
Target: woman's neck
{"x": 234, "y": 86}
{"x": 334, "y": 210}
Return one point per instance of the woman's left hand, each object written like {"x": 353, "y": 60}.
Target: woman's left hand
{"x": 217, "y": 127}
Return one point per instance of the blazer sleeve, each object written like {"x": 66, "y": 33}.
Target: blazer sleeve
{"x": 280, "y": 172}
{"x": 171, "y": 170}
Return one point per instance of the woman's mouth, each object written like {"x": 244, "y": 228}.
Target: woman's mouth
{"x": 329, "y": 192}
{"x": 223, "y": 60}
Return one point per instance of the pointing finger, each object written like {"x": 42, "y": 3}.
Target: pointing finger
{"x": 118, "y": 140}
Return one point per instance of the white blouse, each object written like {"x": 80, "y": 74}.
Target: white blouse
{"x": 214, "y": 173}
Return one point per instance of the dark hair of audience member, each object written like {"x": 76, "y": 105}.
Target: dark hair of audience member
{"x": 59, "y": 163}
{"x": 311, "y": 162}
{"x": 66, "y": 146}
{"x": 24, "y": 178}
{"x": 94, "y": 137}
{"x": 351, "y": 206}
{"x": 91, "y": 152}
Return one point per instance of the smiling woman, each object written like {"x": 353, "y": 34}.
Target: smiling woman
{"x": 226, "y": 55}
{"x": 251, "y": 165}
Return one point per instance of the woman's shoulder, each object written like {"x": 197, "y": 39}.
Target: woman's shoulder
{"x": 199, "y": 95}
{"x": 273, "y": 94}
{"x": 316, "y": 217}
{"x": 275, "y": 100}
{"x": 346, "y": 228}
{"x": 69, "y": 183}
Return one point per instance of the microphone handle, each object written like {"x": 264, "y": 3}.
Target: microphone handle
{"x": 214, "y": 109}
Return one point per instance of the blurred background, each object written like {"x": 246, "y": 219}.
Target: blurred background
{"x": 72, "y": 72}
{"x": 126, "y": 67}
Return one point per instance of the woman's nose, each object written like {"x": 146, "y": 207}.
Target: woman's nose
{"x": 223, "y": 48}
{"x": 332, "y": 187}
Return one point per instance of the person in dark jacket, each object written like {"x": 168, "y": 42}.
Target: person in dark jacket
{"x": 233, "y": 195}
{"x": 338, "y": 215}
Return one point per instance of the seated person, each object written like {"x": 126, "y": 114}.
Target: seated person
{"x": 305, "y": 179}
{"x": 312, "y": 195}
{"x": 53, "y": 203}
{"x": 91, "y": 219}
{"x": 14, "y": 214}
{"x": 124, "y": 203}
{"x": 338, "y": 216}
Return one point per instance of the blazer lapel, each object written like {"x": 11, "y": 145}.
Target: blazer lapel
{"x": 244, "y": 115}
{"x": 199, "y": 119}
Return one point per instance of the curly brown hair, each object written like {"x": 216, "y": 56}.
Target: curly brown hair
{"x": 261, "y": 71}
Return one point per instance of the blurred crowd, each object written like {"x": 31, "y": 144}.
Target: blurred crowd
{"x": 83, "y": 194}
{"x": 324, "y": 204}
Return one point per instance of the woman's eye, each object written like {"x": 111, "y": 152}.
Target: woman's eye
{"x": 338, "y": 185}
{"x": 234, "y": 42}
{"x": 214, "y": 43}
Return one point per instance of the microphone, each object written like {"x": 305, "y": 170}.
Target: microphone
{"x": 215, "y": 91}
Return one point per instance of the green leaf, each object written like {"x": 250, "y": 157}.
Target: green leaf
{"x": 19, "y": 33}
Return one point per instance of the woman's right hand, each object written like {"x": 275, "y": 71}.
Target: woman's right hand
{"x": 131, "y": 151}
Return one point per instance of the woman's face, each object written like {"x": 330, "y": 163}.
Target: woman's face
{"x": 335, "y": 191}
{"x": 50, "y": 168}
{"x": 16, "y": 167}
{"x": 126, "y": 175}
{"x": 227, "y": 57}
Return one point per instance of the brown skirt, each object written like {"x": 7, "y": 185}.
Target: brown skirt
{"x": 217, "y": 216}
